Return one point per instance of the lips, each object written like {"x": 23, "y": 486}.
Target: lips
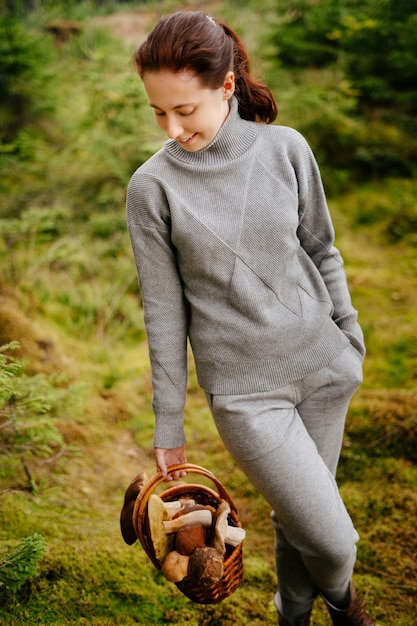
{"x": 188, "y": 139}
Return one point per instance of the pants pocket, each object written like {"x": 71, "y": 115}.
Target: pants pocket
{"x": 247, "y": 425}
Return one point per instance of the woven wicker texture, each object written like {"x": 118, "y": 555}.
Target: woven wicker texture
{"x": 233, "y": 561}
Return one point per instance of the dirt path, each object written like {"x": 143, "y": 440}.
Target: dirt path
{"x": 131, "y": 28}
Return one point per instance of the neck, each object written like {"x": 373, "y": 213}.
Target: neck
{"x": 233, "y": 139}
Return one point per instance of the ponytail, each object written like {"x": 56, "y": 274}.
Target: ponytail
{"x": 256, "y": 101}
{"x": 190, "y": 40}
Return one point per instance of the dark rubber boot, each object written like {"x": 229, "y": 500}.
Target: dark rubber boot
{"x": 353, "y": 615}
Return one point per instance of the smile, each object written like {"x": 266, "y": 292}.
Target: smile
{"x": 188, "y": 139}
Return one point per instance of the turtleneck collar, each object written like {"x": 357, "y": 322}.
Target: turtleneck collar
{"x": 233, "y": 139}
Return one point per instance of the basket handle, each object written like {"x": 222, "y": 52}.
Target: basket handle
{"x": 190, "y": 468}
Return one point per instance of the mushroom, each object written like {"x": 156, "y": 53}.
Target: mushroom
{"x": 190, "y": 537}
{"x": 175, "y": 566}
{"x": 177, "y": 507}
{"x": 201, "y": 516}
{"x": 173, "y": 507}
{"x": 191, "y": 505}
{"x": 223, "y": 533}
{"x": 206, "y": 566}
{"x": 157, "y": 516}
{"x": 126, "y": 515}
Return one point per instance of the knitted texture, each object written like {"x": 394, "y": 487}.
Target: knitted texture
{"x": 234, "y": 248}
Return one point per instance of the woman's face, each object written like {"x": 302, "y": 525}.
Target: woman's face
{"x": 186, "y": 111}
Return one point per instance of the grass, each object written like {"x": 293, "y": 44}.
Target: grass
{"x": 69, "y": 294}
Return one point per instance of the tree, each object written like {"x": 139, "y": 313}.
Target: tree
{"x": 374, "y": 43}
{"x": 24, "y": 78}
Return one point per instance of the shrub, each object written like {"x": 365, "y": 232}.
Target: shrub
{"x": 17, "y": 565}
{"x": 28, "y": 410}
{"x": 25, "y": 79}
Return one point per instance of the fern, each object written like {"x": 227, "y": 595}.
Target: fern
{"x": 16, "y": 566}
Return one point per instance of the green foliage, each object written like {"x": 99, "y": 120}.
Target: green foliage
{"x": 97, "y": 136}
{"x": 301, "y": 32}
{"x": 379, "y": 40}
{"x": 29, "y": 405}
{"x": 48, "y": 250}
{"x": 115, "y": 137}
{"x": 371, "y": 47}
{"x": 80, "y": 8}
{"x": 394, "y": 210}
{"x": 25, "y": 233}
{"x": 374, "y": 42}
{"x": 19, "y": 564}
{"x": 25, "y": 80}
{"x": 402, "y": 224}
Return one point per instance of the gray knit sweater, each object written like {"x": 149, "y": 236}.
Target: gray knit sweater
{"x": 234, "y": 250}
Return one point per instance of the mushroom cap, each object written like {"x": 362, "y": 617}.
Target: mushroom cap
{"x": 157, "y": 514}
{"x": 126, "y": 523}
{"x": 175, "y": 566}
{"x": 126, "y": 516}
{"x": 206, "y": 566}
{"x": 190, "y": 537}
{"x": 221, "y": 527}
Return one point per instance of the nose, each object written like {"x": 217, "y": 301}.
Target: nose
{"x": 173, "y": 128}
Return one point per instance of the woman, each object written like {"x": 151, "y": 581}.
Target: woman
{"x": 233, "y": 244}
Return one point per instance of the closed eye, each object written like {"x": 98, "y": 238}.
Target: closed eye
{"x": 180, "y": 113}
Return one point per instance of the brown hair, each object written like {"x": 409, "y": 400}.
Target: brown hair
{"x": 190, "y": 40}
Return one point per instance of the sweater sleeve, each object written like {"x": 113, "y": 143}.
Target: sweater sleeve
{"x": 316, "y": 235}
{"x": 165, "y": 307}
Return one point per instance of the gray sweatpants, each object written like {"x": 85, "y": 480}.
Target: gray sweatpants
{"x": 288, "y": 443}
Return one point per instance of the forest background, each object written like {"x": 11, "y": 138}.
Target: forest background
{"x": 75, "y": 396}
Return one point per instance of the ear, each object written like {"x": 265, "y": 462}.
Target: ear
{"x": 228, "y": 85}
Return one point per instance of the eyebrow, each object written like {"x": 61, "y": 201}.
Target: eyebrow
{"x": 178, "y": 106}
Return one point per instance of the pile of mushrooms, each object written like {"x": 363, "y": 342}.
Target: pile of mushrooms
{"x": 190, "y": 539}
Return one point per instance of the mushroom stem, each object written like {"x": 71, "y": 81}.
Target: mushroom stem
{"x": 234, "y": 535}
{"x": 173, "y": 507}
{"x": 225, "y": 534}
{"x": 202, "y": 517}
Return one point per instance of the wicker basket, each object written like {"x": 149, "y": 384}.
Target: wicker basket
{"x": 233, "y": 563}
